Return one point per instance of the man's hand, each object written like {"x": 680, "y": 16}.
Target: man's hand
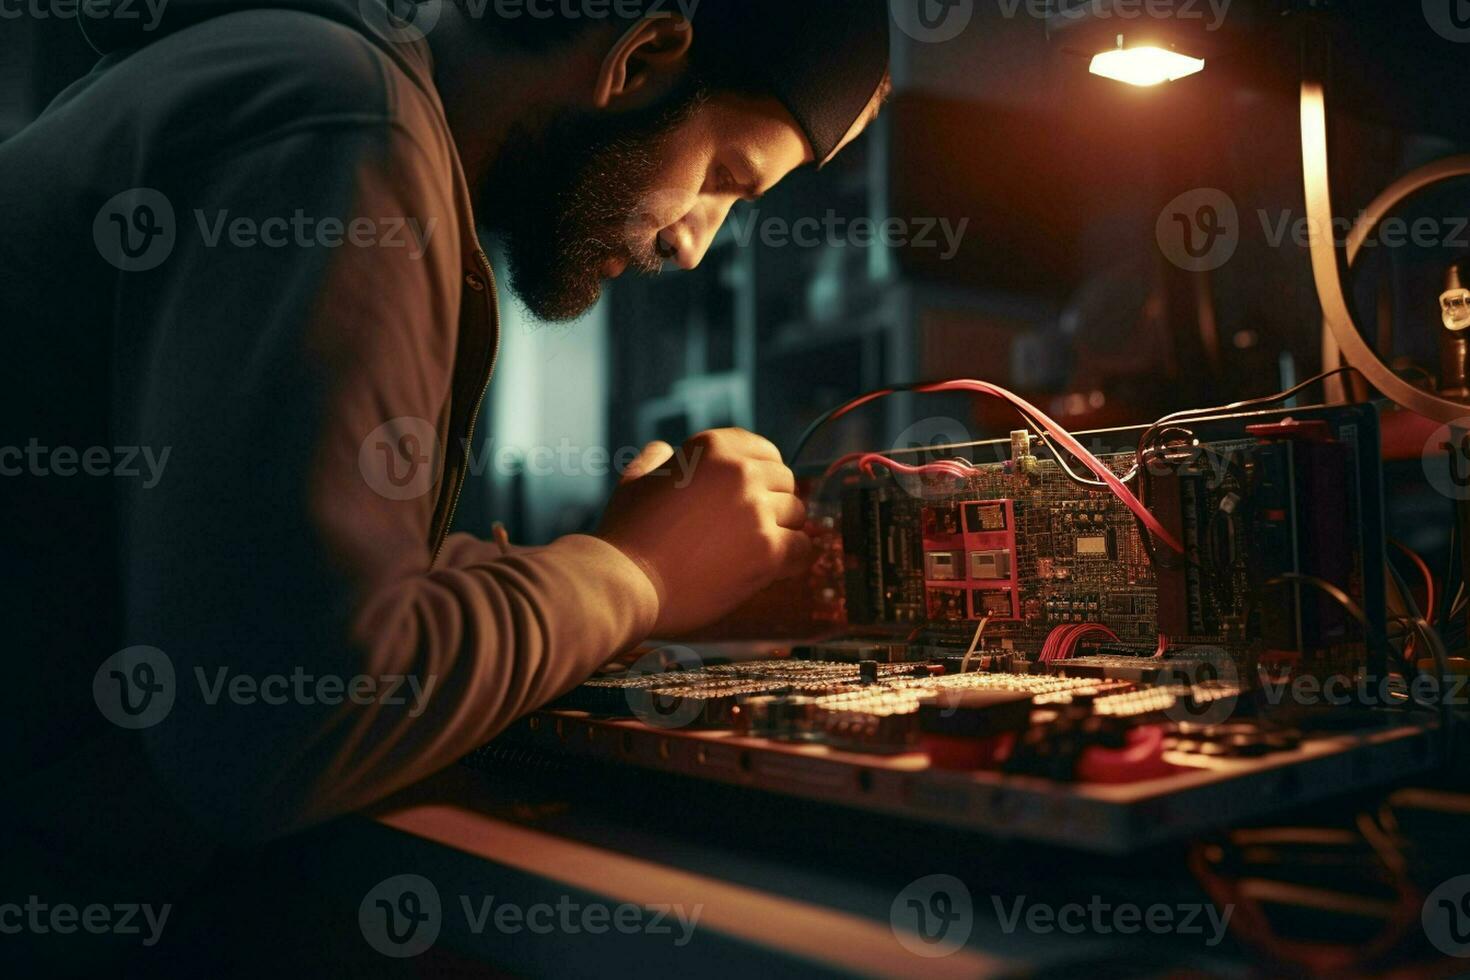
{"x": 711, "y": 531}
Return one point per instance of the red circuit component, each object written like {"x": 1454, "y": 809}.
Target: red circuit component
{"x": 972, "y": 546}
{"x": 1141, "y": 758}
{"x": 958, "y": 753}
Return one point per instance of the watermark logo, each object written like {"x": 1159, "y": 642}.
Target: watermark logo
{"x": 1425, "y": 231}
{"x": 1207, "y": 686}
{"x": 401, "y": 21}
{"x": 572, "y": 10}
{"x": 1446, "y": 459}
{"x": 649, "y": 704}
{"x": 401, "y": 916}
{"x": 926, "y": 436}
{"x": 41, "y": 918}
{"x": 1446, "y": 917}
{"x": 400, "y": 459}
{"x": 1450, "y": 19}
{"x": 111, "y": 10}
{"x": 136, "y": 231}
{"x": 833, "y": 230}
{"x": 933, "y": 916}
{"x": 933, "y": 21}
{"x": 1099, "y": 917}
{"x": 134, "y": 688}
{"x": 141, "y": 463}
{"x": 1199, "y": 230}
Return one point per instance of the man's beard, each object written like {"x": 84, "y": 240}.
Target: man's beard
{"x": 574, "y": 197}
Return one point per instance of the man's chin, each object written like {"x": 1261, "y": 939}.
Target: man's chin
{"x": 561, "y": 305}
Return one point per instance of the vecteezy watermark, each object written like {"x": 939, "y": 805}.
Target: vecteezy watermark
{"x": 138, "y": 230}
{"x": 118, "y": 10}
{"x": 137, "y": 688}
{"x": 1446, "y": 459}
{"x": 833, "y": 230}
{"x": 1446, "y": 917}
{"x": 40, "y": 918}
{"x": 574, "y": 10}
{"x": 1206, "y": 686}
{"x": 1099, "y": 917}
{"x": 401, "y": 459}
{"x": 134, "y": 688}
{"x": 411, "y": 21}
{"x": 1366, "y": 690}
{"x": 924, "y": 444}
{"x": 402, "y": 916}
{"x": 121, "y": 462}
{"x": 1199, "y": 230}
{"x": 401, "y": 21}
{"x": 647, "y": 697}
{"x": 933, "y": 21}
{"x": 937, "y": 21}
{"x": 1288, "y": 228}
{"x": 1212, "y": 13}
{"x": 933, "y": 916}
{"x": 1450, "y": 19}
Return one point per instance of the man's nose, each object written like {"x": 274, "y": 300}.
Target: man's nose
{"x": 693, "y": 236}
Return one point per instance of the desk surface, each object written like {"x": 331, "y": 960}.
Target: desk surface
{"x": 781, "y": 887}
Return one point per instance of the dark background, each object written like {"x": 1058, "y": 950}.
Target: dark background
{"x": 1060, "y": 289}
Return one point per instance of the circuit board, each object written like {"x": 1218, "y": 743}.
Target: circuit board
{"x": 1022, "y": 547}
{"x": 1005, "y": 650}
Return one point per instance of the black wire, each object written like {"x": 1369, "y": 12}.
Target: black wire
{"x": 1441, "y": 660}
{"x": 1263, "y": 401}
{"x": 1337, "y": 594}
{"x": 1452, "y": 569}
{"x": 1057, "y": 454}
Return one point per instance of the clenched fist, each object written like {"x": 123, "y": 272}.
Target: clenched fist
{"x": 711, "y": 528}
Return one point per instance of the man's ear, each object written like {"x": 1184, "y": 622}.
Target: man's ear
{"x": 655, "y": 48}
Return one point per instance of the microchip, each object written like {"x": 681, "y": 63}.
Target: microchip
{"x": 1092, "y": 546}
{"x": 946, "y": 604}
{"x": 990, "y": 564}
{"x": 1121, "y": 605}
{"x": 941, "y": 566}
{"x": 991, "y": 603}
{"x": 940, "y": 522}
{"x": 985, "y": 516}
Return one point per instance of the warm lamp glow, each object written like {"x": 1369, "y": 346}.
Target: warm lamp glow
{"x": 1145, "y": 65}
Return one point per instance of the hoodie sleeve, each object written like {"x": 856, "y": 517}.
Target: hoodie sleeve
{"x": 322, "y": 658}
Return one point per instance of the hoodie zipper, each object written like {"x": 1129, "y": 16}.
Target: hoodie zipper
{"x": 488, "y": 291}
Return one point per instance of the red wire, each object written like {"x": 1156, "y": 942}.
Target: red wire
{"x": 859, "y": 402}
{"x": 1073, "y": 446}
{"x": 867, "y": 461}
{"x": 1053, "y": 429}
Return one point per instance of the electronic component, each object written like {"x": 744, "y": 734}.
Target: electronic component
{"x": 1013, "y": 620}
{"x": 1045, "y": 552}
{"x": 990, "y": 564}
{"x": 941, "y": 566}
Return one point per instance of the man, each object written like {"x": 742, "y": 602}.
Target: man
{"x": 250, "y": 328}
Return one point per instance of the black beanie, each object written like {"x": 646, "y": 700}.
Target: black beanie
{"x": 824, "y": 59}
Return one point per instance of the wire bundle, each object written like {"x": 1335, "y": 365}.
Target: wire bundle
{"x": 1049, "y": 429}
{"x": 1061, "y": 643}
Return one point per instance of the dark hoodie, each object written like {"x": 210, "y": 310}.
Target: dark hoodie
{"x": 244, "y": 452}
